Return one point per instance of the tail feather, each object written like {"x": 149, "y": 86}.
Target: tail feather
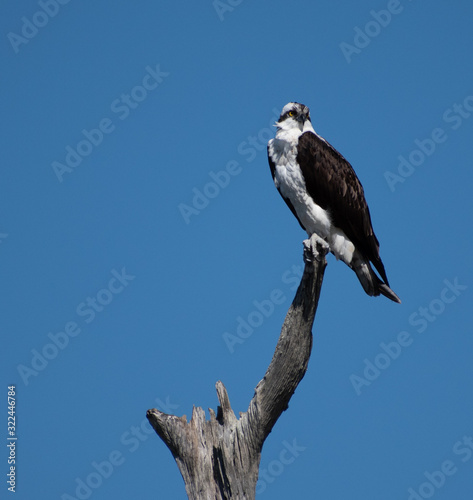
{"x": 387, "y": 292}
{"x": 371, "y": 283}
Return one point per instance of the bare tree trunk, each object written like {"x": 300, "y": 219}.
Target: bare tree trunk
{"x": 219, "y": 458}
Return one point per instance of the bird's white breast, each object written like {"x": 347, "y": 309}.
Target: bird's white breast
{"x": 289, "y": 180}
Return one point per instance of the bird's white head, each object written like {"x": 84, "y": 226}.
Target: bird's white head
{"x": 294, "y": 116}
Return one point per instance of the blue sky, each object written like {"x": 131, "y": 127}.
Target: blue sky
{"x": 140, "y": 229}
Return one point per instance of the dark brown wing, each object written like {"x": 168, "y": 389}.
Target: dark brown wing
{"x": 272, "y": 166}
{"x": 333, "y": 184}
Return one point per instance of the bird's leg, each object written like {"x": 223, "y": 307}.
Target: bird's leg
{"x": 315, "y": 248}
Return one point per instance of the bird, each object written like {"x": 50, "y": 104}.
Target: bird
{"x": 323, "y": 192}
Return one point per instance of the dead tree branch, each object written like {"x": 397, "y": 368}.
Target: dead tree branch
{"x": 219, "y": 458}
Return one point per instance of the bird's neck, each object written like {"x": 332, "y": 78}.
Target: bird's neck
{"x": 292, "y": 134}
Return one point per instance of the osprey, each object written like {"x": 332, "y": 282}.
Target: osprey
{"x": 324, "y": 193}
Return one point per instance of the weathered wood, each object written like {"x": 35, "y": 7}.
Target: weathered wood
{"x": 219, "y": 458}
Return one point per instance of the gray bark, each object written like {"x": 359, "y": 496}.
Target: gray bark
{"x": 219, "y": 458}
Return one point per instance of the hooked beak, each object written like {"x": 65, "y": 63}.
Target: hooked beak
{"x": 302, "y": 118}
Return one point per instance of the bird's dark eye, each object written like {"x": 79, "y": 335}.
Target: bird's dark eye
{"x": 291, "y": 113}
